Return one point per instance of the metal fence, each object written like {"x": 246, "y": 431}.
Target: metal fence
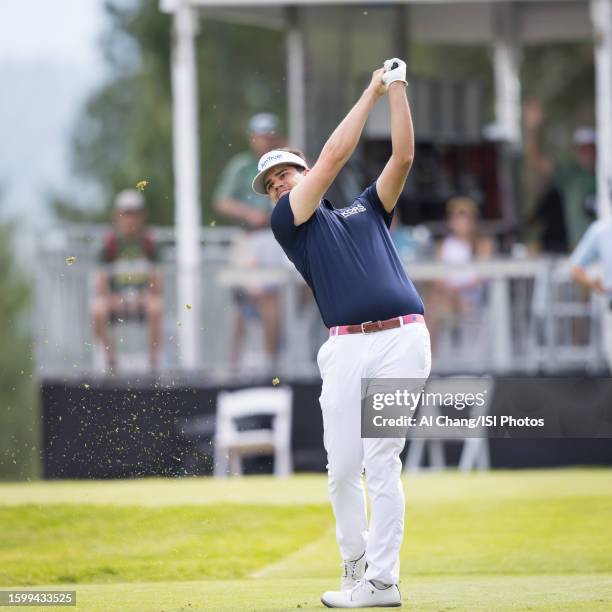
{"x": 531, "y": 318}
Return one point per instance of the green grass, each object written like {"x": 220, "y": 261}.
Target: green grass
{"x": 483, "y": 593}
{"x": 63, "y": 543}
{"x": 539, "y": 540}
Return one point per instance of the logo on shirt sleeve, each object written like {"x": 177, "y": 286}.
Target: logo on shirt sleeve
{"x": 352, "y": 210}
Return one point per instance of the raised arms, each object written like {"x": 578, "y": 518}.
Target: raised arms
{"x": 533, "y": 117}
{"x": 307, "y": 194}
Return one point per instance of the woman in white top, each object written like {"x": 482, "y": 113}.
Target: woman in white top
{"x": 462, "y": 291}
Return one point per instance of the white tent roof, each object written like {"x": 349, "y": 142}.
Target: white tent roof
{"x": 169, "y": 5}
{"x": 452, "y": 21}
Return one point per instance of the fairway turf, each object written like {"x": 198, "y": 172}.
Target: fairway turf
{"x": 537, "y": 540}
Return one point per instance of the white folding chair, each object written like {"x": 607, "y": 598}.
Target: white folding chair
{"x": 475, "y": 451}
{"x": 231, "y": 444}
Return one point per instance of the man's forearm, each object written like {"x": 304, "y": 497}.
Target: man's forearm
{"x": 402, "y": 131}
{"x": 102, "y": 283}
{"x": 231, "y": 207}
{"x": 582, "y": 278}
{"x": 155, "y": 284}
{"x": 345, "y": 137}
{"x": 534, "y": 153}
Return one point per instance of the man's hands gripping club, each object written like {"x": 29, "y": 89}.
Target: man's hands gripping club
{"x": 394, "y": 70}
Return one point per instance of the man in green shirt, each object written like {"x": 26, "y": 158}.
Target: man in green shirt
{"x": 575, "y": 180}
{"x": 234, "y": 198}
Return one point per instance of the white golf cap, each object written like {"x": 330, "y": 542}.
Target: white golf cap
{"x": 271, "y": 159}
{"x": 585, "y": 136}
{"x": 129, "y": 200}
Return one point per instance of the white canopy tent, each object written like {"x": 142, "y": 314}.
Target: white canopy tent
{"x": 505, "y": 25}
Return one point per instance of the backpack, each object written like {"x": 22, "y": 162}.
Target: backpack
{"x": 112, "y": 241}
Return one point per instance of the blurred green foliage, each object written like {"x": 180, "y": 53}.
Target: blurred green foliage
{"x": 19, "y": 428}
{"x": 124, "y": 134}
{"x": 560, "y": 75}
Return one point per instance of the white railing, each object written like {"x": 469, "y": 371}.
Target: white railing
{"x": 532, "y": 317}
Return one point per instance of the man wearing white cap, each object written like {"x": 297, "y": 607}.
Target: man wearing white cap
{"x": 233, "y": 196}
{"x": 235, "y": 199}
{"x": 376, "y": 328}
{"x": 130, "y": 285}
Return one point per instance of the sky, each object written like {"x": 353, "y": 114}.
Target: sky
{"x": 65, "y": 30}
{"x": 49, "y": 62}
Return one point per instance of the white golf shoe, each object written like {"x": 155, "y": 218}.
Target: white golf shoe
{"x": 352, "y": 571}
{"x": 364, "y": 595}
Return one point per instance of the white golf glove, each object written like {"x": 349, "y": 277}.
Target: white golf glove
{"x": 395, "y": 70}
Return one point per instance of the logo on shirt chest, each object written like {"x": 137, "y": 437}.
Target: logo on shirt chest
{"x": 352, "y": 210}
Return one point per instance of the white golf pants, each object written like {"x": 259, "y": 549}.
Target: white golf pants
{"x": 343, "y": 361}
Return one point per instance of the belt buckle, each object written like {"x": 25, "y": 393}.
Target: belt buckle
{"x": 363, "y": 331}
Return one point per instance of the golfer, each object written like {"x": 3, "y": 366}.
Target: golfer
{"x": 376, "y": 327}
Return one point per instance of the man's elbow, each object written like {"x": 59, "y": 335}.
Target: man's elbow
{"x": 403, "y": 161}
{"x": 333, "y": 155}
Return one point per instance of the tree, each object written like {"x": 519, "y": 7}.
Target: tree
{"x": 19, "y": 429}
{"x": 560, "y": 75}
{"x": 124, "y": 134}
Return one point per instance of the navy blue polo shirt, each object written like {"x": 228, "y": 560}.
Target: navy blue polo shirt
{"x": 348, "y": 259}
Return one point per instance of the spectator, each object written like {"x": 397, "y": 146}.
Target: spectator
{"x": 567, "y": 206}
{"x": 461, "y": 292}
{"x": 549, "y": 219}
{"x": 412, "y": 242}
{"x": 235, "y": 198}
{"x": 596, "y": 246}
{"x": 129, "y": 286}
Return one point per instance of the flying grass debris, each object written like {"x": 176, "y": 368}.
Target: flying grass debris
{"x": 140, "y": 185}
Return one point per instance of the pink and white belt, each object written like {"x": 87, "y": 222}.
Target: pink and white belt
{"x": 370, "y": 327}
